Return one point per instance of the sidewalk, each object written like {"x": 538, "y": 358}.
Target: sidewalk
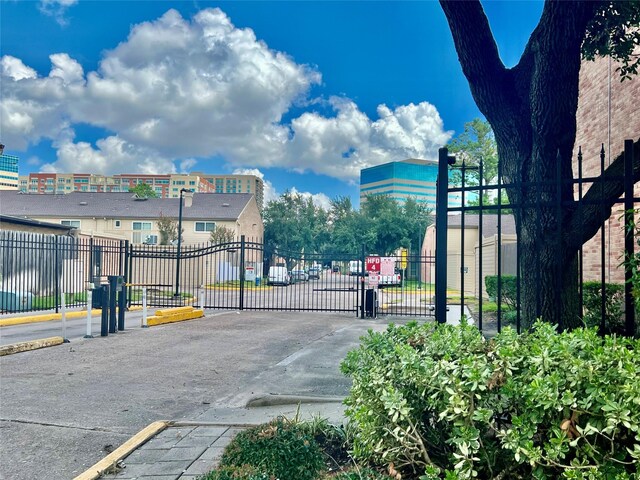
{"x": 186, "y": 450}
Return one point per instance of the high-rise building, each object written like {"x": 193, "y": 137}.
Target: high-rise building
{"x": 8, "y": 172}
{"x": 166, "y": 186}
{"x": 400, "y": 180}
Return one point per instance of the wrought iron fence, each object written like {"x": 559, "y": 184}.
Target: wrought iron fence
{"x": 36, "y": 269}
{"x": 493, "y": 274}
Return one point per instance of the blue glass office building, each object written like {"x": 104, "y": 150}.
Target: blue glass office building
{"x": 401, "y": 180}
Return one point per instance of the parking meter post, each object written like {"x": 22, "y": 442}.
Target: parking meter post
{"x": 63, "y": 310}
{"x": 113, "y": 325}
{"x": 104, "y": 323}
{"x": 89, "y": 312}
{"x": 144, "y": 307}
{"x": 122, "y": 306}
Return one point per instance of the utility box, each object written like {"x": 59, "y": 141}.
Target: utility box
{"x": 371, "y": 303}
{"x": 16, "y": 301}
{"x": 116, "y": 282}
{"x": 96, "y": 297}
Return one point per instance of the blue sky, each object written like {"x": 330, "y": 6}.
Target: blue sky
{"x": 304, "y": 93}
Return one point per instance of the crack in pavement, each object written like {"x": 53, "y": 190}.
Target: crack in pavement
{"x": 59, "y": 425}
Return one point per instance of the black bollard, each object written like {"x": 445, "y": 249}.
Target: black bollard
{"x": 122, "y": 305}
{"x": 113, "y": 291}
{"x": 104, "y": 324}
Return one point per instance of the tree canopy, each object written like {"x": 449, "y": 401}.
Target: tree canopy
{"x": 143, "y": 190}
{"x": 294, "y": 224}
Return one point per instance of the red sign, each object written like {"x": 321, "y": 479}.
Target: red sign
{"x": 372, "y": 264}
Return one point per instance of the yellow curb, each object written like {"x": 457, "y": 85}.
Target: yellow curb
{"x": 48, "y": 317}
{"x": 180, "y": 317}
{"x": 30, "y": 345}
{"x": 173, "y": 311}
{"x": 122, "y": 451}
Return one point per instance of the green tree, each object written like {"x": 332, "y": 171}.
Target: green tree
{"x": 221, "y": 235}
{"x": 168, "y": 229}
{"x": 293, "y": 224}
{"x": 532, "y": 110}
{"x": 144, "y": 190}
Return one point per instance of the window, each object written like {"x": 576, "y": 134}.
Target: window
{"x": 117, "y": 223}
{"x": 71, "y": 223}
{"x": 150, "y": 240}
{"x": 205, "y": 226}
{"x": 140, "y": 231}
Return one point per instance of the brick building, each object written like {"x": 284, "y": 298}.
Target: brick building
{"x": 607, "y": 115}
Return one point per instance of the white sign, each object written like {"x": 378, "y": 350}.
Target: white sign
{"x": 387, "y": 266}
{"x": 250, "y": 274}
{"x": 374, "y": 280}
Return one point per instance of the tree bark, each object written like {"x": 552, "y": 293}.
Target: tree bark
{"x": 532, "y": 110}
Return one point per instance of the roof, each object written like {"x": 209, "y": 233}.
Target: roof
{"x": 209, "y": 206}
{"x": 34, "y": 223}
{"x": 489, "y": 223}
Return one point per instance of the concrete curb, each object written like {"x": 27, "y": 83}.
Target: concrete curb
{"x": 271, "y": 400}
{"x": 30, "y": 345}
{"x": 173, "y": 318}
{"x": 123, "y": 450}
{"x": 48, "y": 317}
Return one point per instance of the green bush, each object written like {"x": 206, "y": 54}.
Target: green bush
{"x": 441, "y": 402}
{"x": 508, "y": 287}
{"x": 278, "y": 448}
{"x": 613, "y": 306}
{"x": 245, "y": 472}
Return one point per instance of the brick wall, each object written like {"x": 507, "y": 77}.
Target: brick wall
{"x": 608, "y": 113}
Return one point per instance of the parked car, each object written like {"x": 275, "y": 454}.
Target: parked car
{"x": 299, "y": 276}
{"x": 314, "y": 273}
{"x": 278, "y": 276}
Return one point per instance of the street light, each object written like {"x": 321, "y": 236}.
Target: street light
{"x": 177, "y": 293}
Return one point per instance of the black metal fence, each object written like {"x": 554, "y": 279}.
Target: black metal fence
{"x": 36, "y": 269}
{"x": 514, "y": 270}
{"x": 246, "y": 274}
{"x": 243, "y": 274}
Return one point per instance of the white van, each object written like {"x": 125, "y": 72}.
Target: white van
{"x": 355, "y": 267}
{"x": 278, "y": 276}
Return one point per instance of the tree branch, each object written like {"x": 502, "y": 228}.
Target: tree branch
{"x": 477, "y": 53}
{"x": 601, "y": 197}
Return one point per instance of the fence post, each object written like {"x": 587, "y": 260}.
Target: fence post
{"x": 89, "y": 307}
{"x": 242, "y": 245}
{"x": 442, "y": 196}
{"x": 630, "y": 327}
{"x": 63, "y": 308}
{"x": 361, "y": 280}
{"x": 201, "y": 297}
{"x": 144, "y": 307}
{"x": 55, "y": 270}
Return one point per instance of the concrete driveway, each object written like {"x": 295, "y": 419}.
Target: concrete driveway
{"x": 63, "y": 408}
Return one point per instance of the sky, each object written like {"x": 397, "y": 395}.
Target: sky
{"x": 304, "y": 94}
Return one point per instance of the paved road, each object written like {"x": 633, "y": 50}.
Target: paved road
{"x": 62, "y": 408}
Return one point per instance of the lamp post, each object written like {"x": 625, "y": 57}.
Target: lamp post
{"x": 177, "y": 293}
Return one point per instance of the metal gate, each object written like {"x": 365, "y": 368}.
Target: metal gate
{"x": 235, "y": 276}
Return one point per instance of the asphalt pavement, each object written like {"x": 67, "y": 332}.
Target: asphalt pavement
{"x": 64, "y": 408}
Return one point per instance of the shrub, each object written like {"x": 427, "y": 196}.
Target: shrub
{"x": 613, "y": 306}
{"x": 245, "y": 472}
{"x": 508, "y": 287}
{"x": 278, "y": 448}
{"x": 441, "y": 402}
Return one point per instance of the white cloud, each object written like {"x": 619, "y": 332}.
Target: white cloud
{"x": 318, "y": 199}
{"x": 178, "y": 89}
{"x": 57, "y": 9}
